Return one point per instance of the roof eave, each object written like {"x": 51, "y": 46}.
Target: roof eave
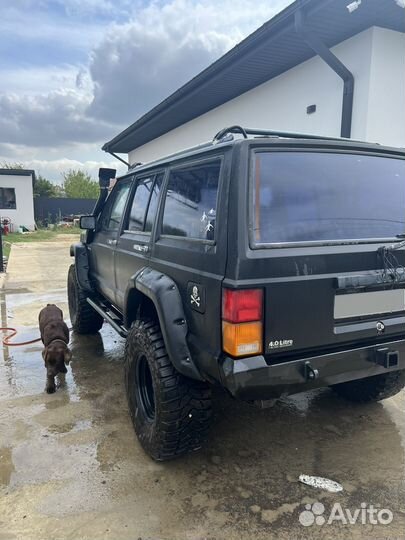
{"x": 282, "y": 20}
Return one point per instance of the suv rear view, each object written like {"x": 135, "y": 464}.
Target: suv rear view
{"x": 268, "y": 265}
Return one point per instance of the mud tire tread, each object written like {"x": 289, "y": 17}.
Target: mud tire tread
{"x": 182, "y": 405}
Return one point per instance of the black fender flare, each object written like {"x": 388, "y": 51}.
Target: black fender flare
{"x": 164, "y": 294}
{"x": 81, "y": 257}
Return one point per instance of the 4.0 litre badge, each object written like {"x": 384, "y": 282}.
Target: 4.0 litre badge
{"x": 281, "y": 343}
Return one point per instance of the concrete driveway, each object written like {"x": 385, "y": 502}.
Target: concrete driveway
{"x": 71, "y": 467}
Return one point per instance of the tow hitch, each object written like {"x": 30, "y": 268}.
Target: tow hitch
{"x": 387, "y": 358}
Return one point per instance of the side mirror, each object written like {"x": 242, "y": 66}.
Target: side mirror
{"x": 88, "y": 223}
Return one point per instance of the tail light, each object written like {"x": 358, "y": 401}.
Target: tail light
{"x": 242, "y": 326}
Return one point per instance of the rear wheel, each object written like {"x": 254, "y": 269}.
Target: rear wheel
{"x": 171, "y": 413}
{"x": 373, "y": 388}
{"x": 83, "y": 317}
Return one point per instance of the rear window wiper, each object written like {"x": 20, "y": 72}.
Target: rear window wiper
{"x": 392, "y": 268}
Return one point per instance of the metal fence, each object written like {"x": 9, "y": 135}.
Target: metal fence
{"x": 54, "y": 209}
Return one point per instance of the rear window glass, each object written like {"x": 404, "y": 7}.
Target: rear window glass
{"x": 308, "y": 196}
{"x": 191, "y": 201}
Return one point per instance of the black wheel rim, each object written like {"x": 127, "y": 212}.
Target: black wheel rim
{"x": 144, "y": 389}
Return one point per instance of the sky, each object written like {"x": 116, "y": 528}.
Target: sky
{"x": 74, "y": 73}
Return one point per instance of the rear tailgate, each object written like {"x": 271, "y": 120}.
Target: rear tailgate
{"x": 314, "y": 312}
{"x": 319, "y": 219}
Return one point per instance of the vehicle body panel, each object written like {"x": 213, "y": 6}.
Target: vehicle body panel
{"x": 302, "y": 282}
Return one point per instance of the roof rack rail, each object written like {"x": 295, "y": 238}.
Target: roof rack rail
{"x": 135, "y": 165}
{"x": 245, "y": 132}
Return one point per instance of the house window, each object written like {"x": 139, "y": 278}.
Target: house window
{"x": 7, "y": 199}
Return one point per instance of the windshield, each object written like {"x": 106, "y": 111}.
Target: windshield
{"x": 308, "y": 196}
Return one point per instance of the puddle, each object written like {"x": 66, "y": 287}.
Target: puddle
{"x": 74, "y": 455}
{"x": 22, "y": 368}
{"x": 22, "y": 308}
{"x": 20, "y": 297}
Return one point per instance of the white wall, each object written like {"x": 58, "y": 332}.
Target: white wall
{"x": 386, "y": 108}
{"x": 281, "y": 103}
{"x": 24, "y": 213}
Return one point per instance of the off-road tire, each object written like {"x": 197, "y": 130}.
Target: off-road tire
{"x": 373, "y": 388}
{"x": 82, "y": 316}
{"x": 171, "y": 413}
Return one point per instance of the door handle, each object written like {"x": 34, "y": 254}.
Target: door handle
{"x": 141, "y": 247}
{"x": 112, "y": 242}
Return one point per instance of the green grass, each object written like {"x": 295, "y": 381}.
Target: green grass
{"x": 41, "y": 235}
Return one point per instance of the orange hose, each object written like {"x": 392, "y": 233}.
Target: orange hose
{"x": 13, "y": 333}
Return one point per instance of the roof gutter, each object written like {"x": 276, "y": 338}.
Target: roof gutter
{"x": 317, "y": 45}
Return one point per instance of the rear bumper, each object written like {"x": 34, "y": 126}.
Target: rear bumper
{"x": 253, "y": 379}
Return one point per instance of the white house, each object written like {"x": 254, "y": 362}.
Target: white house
{"x": 17, "y": 198}
{"x": 330, "y": 67}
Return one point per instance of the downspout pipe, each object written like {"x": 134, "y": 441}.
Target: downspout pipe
{"x": 119, "y": 158}
{"x": 317, "y": 45}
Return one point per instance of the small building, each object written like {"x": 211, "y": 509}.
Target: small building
{"x": 326, "y": 67}
{"x": 17, "y": 198}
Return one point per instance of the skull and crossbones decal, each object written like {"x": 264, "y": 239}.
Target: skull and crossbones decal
{"x": 195, "y": 297}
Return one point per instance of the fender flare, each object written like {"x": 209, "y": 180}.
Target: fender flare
{"x": 165, "y": 296}
{"x": 81, "y": 257}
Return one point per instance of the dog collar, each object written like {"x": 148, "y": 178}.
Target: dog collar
{"x": 58, "y": 339}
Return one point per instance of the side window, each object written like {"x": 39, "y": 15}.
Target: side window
{"x": 112, "y": 214}
{"x": 191, "y": 200}
{"x": 153, "y": 203}
{"x": 7, "y": 199}
{"x": 139, "y": 206}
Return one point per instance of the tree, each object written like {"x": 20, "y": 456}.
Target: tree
{"x": 78, "y": 184}
{"x": 44, "y": 188}
{"x": 59, "y": 190}
{"x": 5, "y": 165}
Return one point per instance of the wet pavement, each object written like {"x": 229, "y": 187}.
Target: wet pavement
{"x": 71, "y": 467}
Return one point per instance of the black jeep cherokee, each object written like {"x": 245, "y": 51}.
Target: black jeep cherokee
{"x": 267, "y": 263}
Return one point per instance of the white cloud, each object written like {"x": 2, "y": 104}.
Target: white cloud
{"x": 36, "y": 80}
{"x": 97, "y": 7}
{"x": 52, "y": 119}
{"x": 139, "y": 63}
{"x": 54, "y": 169}
{"x": 64, "y": 109}
{"x": 35, "y": 21}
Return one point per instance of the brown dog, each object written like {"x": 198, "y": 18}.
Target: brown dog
{"x": 55, "y": 337}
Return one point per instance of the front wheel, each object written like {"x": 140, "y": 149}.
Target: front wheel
{"x": 171, "y": 413}
{"x": 373, "y": 388}
{"x": 82, "y": 316}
